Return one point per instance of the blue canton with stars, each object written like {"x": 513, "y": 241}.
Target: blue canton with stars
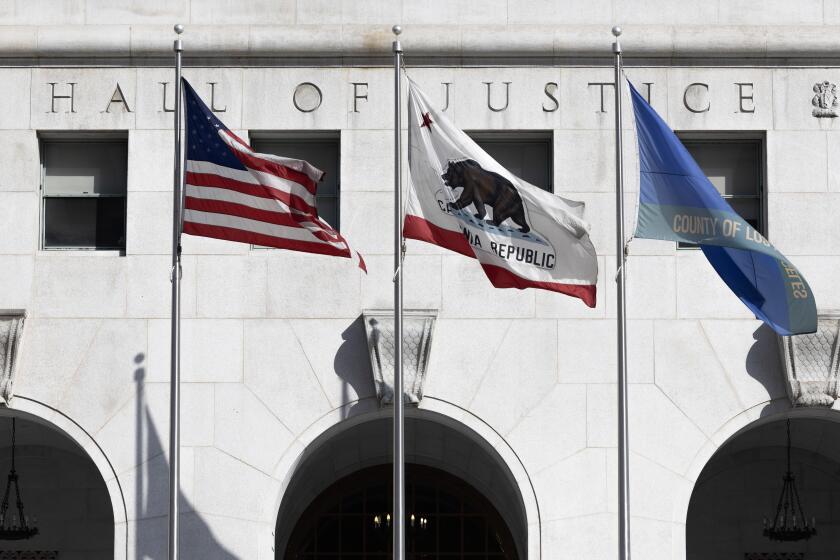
{"x": 202, "y": 136}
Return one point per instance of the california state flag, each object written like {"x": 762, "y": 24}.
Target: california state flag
{"x": 463, "y": 200}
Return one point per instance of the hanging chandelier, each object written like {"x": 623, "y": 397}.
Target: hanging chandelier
{"x": 14, "y": 527}
{"x": 414, "y": 521}
{"x": 790, "y": 522}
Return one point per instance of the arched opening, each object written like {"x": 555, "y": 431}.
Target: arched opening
{"x": 445, "y": 518}
{"x": 456, "y": 482}
{"x": 62, "y": 490}
{"x": 742, "y": 483}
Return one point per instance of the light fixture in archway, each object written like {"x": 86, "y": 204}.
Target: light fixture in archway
{"x": 790, "y": 522}
{"x": 14, "y": 527}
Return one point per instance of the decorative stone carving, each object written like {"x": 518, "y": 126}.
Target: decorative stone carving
{"x": 825, "y": 101}
{"x": 811, "y": 364}
{"x": 418, "y": 328}
{"x": 11, "y": 329}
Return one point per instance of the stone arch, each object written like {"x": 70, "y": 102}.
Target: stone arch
{"x": 55, "y": 420}
{"x": 434, "y": 413}
{"x": 736, "y": 441}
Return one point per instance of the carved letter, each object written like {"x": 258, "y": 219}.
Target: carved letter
{"x": 647, "y": 97}
{"x": 213, "y": 99}
{"x": 744, "y": 96}
{"x": 602, "y": 85}
{"x": 357, "y": 95}
{"x": 694, "y": 89}
{"x": 446, "y": 92}
{"x": 165, "y": 108}
{"x": 550, "y": 88}
{"x": 507, "y": 98}
{"x": 307, "y": 97}
{"x": 70, "y": 97}
{"x": 117, "y": 97}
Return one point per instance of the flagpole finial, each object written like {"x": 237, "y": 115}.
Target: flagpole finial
{"x": 177, "y": 46}
{"x": 397, "y": 29}
{"x": 616, "y": 31}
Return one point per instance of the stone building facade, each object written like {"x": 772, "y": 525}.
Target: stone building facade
{"x": 519, "y": 397}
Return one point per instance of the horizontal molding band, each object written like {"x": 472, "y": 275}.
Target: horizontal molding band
{"x": 478, "y": 41}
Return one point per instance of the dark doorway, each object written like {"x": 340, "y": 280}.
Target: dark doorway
{"x": 741, "y": 486}
{"x": 64, "y": 494}
{"x": 447, "y": 519}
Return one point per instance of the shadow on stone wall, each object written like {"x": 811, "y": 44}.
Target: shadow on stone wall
{"x": 352, "y": 366}
{"x": 151, "y": 496}
{"x": 765, "y": 366}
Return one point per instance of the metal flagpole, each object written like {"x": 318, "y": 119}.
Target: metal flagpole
{"x": 399, "y": 405}
{"x": 621, "y": 259}
{"x": 175, "y": 379}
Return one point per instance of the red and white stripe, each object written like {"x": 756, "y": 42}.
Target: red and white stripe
{"x": 272, "y": 203}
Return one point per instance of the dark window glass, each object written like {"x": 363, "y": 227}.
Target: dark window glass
{"x": 84, "y": 194}
{"x": 323, "y": 153}
{"x": 84, "y": 222}
{"x": 449, "y": 534}
{"x": 475, "y": 533}
{"x": 352, "y": 532}
{"x": 735, "y": 168}
{"x": 529, "y": 157}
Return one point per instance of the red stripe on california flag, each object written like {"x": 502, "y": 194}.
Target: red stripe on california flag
{"x": 279, "y": 218}
{"x": 262, "y": 191}
{"x": 423, "y": 230}
{"x": 503, "y": 278}
{"x": 243, "y": 236}
{"x": 253, "y": 161}
{"x": 415, "y": 227}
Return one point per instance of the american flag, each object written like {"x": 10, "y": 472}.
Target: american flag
{"x": 237, "y": 194}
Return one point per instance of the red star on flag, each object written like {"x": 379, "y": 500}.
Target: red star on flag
{"x": 427, "y": 121}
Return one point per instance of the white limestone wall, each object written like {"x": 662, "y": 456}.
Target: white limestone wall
{"x": 303, "y": 12}
{"x": 273, "y": 352}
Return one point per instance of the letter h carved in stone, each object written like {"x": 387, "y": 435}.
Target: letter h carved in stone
{"x": 54, "y": 97}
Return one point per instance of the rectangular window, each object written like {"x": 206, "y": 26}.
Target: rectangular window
{"x": 528, "y": 155}
{"x": 735, "y": 166}
{"x": 83, "y": 192}
{"x": 321, "y": 150}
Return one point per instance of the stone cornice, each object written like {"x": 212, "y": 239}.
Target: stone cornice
{"x": 481, "y": 41}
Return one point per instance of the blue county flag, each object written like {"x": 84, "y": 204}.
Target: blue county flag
{"x": 678, "y": 203}
{"x": 463, "y": 200}
{"x": 234, "y": 193}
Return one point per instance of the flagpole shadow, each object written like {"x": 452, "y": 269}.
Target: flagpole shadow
{"x": 151, "y": 498}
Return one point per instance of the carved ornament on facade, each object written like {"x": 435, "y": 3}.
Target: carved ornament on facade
{"x": 811, "y": 364}
{"x": 11, "y": 330}
{"x": 825, "y": 101}
{"x": 418, "y": 328}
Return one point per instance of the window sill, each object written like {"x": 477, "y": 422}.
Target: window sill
{"x": 80, "y": 253}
